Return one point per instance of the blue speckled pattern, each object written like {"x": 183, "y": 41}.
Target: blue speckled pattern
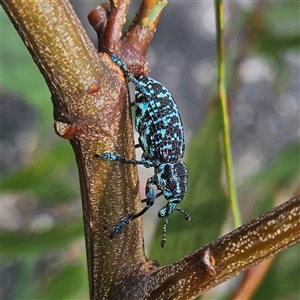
{"x": 158, "y": 122}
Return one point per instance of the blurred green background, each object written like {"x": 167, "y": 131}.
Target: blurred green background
{"x": 43, "y": 252}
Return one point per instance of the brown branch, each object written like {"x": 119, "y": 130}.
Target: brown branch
{"x": 90, "y": 101}
{"x": 137, "y": 38}
{"x": 227, "y": 256}
{"x": 133, "y": 45}
{"x": 115, "y": 22}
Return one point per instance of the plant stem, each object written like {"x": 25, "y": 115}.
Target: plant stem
{"x": 223, "y": 98}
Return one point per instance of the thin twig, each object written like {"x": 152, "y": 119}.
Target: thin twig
{"x": 223, "y": 98}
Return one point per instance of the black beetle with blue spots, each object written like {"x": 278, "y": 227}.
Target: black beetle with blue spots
{"x": 158, "y": 122}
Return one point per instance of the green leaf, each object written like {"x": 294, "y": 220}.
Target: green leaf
{"x": 265, "y": 185}
{"x": 50, "y": 177}
{"x": 69, "y": 284}
{"x": 21, "y": 245}
{"x": 286, "y": 167}
{"x": 23, "y": 284}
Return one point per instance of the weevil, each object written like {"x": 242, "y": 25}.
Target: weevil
{"x": 161, "y": 137}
